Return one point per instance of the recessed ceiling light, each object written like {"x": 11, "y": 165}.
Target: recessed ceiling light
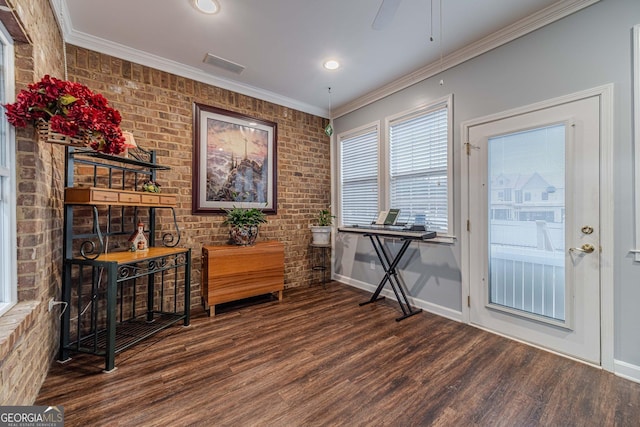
{"x": 331, "y": 64}
{"x": 207, "y": 6}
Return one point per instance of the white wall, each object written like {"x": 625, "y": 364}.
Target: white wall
{"x": 590, "y": 48}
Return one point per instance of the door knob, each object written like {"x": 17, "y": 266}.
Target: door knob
{"x": 587, "y": 248}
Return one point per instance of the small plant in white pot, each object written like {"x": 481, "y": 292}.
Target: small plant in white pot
{"x": 321, "y": 233}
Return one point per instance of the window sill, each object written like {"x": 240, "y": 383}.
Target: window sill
{"x": 14, "y": 323}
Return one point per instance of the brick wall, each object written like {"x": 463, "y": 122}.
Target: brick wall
{"x": 157, "y": 107}
{"x": 28, "y": 332}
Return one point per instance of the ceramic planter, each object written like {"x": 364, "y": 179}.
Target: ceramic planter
{"x": 243, "y": 236}
{"x": 321, "y": 234}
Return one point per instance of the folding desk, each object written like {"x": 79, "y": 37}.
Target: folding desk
{"x": 389, "y": 262}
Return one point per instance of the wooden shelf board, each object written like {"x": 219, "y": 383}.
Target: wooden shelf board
{"x": 113, "y": 197}
{"x": 127, "y": 257}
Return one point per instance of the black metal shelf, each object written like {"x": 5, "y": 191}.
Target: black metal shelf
{"x": 134, "y": 161}
{"x": 117, "y": 299}
{"x": 128, "y": 334}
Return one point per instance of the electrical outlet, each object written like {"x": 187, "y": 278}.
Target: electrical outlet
{"x": 372, "y": 264}
{"x": 51, "y": 304}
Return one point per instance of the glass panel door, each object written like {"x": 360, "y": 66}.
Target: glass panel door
{"x": 534, "y": 217}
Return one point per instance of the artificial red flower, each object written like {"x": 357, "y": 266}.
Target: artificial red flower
{"x": 71, "y": 109}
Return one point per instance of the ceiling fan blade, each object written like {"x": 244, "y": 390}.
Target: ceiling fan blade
{"x": 385, "y": 14}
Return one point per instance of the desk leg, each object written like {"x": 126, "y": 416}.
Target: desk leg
{"x": 382, "y": 256}
{"x": 391, "y": 275}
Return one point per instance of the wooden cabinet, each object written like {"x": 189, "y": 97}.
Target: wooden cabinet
{"x": 231, "y": 273}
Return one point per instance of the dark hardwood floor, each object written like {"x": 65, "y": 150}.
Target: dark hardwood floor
{"x": 319, "y": 359}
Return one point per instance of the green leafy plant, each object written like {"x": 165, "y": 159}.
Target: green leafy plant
{"x": 151, "y": 186}
{"x": 325, "y": 218}
{"x": 244, "y": 217}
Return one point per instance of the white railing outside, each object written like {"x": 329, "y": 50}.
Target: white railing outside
{"x": 527, "y": 267}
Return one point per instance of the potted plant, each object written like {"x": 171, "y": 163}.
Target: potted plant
{"x": 244, "y": 223}
{"x": 150, "y": 186}
{"x": 321, "y": 233}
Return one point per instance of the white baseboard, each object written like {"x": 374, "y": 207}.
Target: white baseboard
{"x": 415, "y": 302}
{"x": 626, "y": 370}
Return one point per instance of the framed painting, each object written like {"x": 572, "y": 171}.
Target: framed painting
{"x": 234, "y": 161}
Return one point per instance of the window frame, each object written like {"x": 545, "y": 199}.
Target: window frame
{"x": 443, "y": 102}
{"x": 8, "y": 250}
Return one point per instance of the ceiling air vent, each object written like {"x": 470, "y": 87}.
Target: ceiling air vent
{"x": 216, "y": 61}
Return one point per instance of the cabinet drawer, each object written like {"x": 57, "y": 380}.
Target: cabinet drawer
{"x": 110, "y": 196}
{"x": 168, "y": 200}
{"x": 104, "y": 196}
{"x": 151, "y": 199}
{"x": 129, "y": 198}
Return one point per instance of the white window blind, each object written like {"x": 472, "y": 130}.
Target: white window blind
{"x": 419, "y": 168}
{"x": 359, "y": 177}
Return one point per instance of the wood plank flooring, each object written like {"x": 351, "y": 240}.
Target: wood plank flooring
{"x": 319, "y": 359}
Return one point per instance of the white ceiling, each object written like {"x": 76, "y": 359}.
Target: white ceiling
{"x": 282, "y": 43}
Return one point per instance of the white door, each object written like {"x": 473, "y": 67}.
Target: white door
{"x": 534, "y": 268}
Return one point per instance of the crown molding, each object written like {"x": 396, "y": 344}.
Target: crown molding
{"x": 97, "y": 44}
{"x": 526, "y": 25}
{"x": 61, "y": 13}
{"x": 518, "y": 29}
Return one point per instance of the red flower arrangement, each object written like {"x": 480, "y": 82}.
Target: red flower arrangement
{"x": 71, "y": 109}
